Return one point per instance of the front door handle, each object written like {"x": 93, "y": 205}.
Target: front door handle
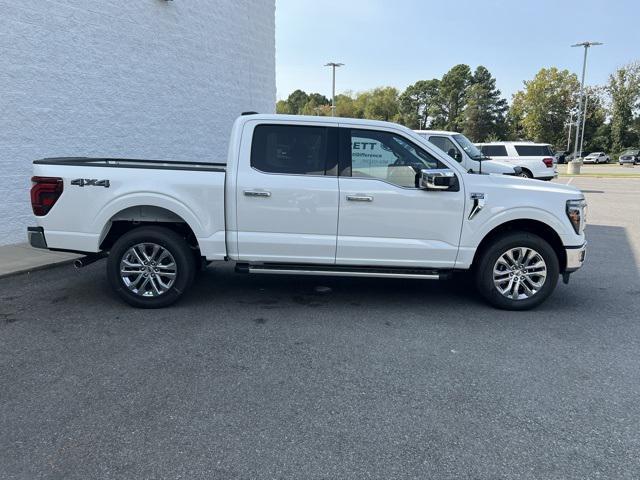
{"x": 257, "y": 193}
{"x": 360, "y": 198}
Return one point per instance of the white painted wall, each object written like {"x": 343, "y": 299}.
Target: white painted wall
{"x": 125, "y": 78}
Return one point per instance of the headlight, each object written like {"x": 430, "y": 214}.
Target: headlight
{"x": 577, "y": 213}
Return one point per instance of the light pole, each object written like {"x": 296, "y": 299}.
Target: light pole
{"x": 569, "y": 136}
{"x": 333, "y": 65}
{"x": 584, "y": 122}
{"x": 586, "y": 46}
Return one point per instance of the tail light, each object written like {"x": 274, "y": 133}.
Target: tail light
{"x": 44, "y": 194}
{"x": 548, "y": 162}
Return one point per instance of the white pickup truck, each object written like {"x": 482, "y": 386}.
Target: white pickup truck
{"x": 463, "y": 151}
{"x": 310, "y": 196}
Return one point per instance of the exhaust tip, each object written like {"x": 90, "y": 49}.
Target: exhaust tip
{"x": 78, "y": 263}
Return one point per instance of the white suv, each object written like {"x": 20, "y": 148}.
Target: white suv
{"x": 536, "y": 159}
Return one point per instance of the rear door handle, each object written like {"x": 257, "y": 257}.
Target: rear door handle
{"x": 257, "y": 193}
{"x": 360, "y": 198}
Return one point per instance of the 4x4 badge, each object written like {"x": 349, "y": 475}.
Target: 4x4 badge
{"x": 90, "y": 182}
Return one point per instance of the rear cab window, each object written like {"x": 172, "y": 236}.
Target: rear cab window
{"x": 294, "y": 150}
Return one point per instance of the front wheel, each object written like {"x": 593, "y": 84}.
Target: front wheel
{"x": 517, "y": 272}
{"x": 150, "y": 267}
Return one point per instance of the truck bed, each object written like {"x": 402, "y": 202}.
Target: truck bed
{"x": 99, "y": 191}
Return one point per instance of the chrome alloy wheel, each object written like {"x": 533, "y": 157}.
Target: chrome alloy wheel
{"x": 519, "y": 273}
{"x": 148, "y": 269}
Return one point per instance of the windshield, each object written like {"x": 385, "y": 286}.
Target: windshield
{"x": 468, "y": 147}
{"x": 631, "y": 152}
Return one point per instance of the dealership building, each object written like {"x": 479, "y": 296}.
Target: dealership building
{"x": 152, "y": 79}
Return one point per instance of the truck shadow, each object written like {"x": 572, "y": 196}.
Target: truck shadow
{"x": 609, "y": 274}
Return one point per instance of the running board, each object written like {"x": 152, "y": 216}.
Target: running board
{"x": 344, "y": 271}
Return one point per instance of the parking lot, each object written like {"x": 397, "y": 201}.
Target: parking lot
{"x": 273, "y": 377}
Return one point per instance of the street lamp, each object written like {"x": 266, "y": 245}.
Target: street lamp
{"x": 586, "y": 46}
{"x": 333, "y": 65}
{"x": 584, "y": 122}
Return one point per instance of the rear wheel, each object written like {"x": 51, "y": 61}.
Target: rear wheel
{"x": 150, "y": 267}
{"x": 517, "y": 272}
{"x": 526, "y": 174}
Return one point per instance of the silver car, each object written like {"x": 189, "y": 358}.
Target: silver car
{"x": 597, "y": 157}
{"x": 630, "y": 156}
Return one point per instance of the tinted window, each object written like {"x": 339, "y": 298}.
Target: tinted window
{"x": 494, "y": 150}
{"x": 533, "y": 150}
{"x": 388, "y": 157}
{"x": 447, "y": 146}
{"x": 289, "y": 149}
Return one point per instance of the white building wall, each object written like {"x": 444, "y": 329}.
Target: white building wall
{"x": 125, "y": 78}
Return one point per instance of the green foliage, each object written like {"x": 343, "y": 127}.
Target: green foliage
{"x": 301, "y": 103}
{"x": 541, "y": 110}
{"x": 624, "y": 89}
{"x": 484, "y": 113}
{"x": 471, "y": 103}
{"x": 417, "y": 101}
{"x": 451, "y": 99}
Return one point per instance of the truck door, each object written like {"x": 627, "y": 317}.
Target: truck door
{"x": 385, "y": 218}
{"x": 287, "y": 193}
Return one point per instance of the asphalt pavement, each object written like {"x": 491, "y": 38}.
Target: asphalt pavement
{"x": 274, "y": 378}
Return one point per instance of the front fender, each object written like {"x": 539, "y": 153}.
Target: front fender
{"x": 475, "y": 230}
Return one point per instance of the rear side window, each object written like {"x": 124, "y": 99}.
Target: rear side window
{"x": 290, "y": 149}
{"x": 533, "y": 150}
{"x": 494, "y": 150}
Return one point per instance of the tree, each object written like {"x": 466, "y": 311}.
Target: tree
{"x": 383, "y": 104}
{"x": 319, "y": 99}
{"x": 448, "y": 111}
{"x": 484, "y": 113}
{"x": 540, "y": 111}
{"x": 297, "y": 100}
{"x": 282, "y": 106}
{"x": 597, "y": 137}
{"x": 624, "y": 89}
{"x": 345, "y": 105}
{"x": 416, "y": 101}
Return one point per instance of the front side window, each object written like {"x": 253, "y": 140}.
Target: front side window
{"x": 447, "y": 146}
{"x": 289, "y": 149}
{"x": 388, "y": 157}
{"x": 494, "y": 150}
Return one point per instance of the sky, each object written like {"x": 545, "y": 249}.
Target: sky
{"x": 397, "y": 42}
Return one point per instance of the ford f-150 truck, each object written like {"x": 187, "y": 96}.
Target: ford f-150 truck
{"x": 310, "y": 196}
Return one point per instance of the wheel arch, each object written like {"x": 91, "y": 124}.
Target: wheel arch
{"x": 136, "y": 216}
{"x": 525, "y": 225}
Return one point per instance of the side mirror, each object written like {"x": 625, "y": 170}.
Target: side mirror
{"x": 437, "y": 179}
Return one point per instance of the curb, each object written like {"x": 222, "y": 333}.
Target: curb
{"x": 46, "y": 266}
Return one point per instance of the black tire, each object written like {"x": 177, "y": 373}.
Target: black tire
{"x": 489, "y": 258}
{"x": 526, "y": 174}
{"x": 170, "y": 241}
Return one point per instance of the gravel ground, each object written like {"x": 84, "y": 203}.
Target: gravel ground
{"x": 271, "y": 377}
